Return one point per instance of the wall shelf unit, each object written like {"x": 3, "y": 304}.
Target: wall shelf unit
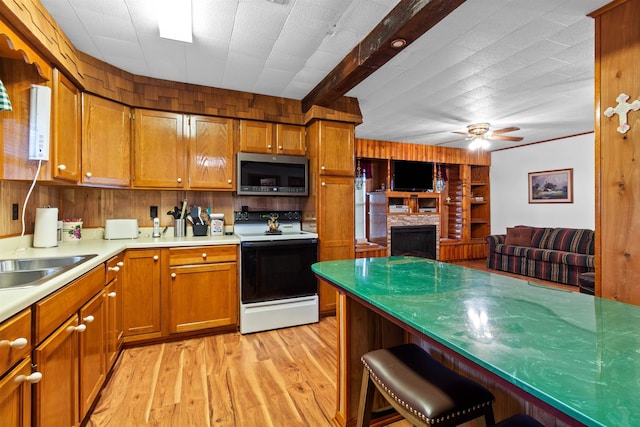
{"x": 463, "y": 208}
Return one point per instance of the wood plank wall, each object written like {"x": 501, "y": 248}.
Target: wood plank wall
{"x": 617, "y": 169}
{"x": 374, "y": 149}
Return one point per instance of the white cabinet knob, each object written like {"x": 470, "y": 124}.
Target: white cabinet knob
{"x": 229, "y": 181}
{"x": 33, "y": 378}
{"x": 179, "y": 180}
{"x": 120, "y": 263}
{"x": 280, "y": 147}
{"x": 323, "y": 184}
{"x": 62, "y": 167}
{"x": 269, "y": 146}
{"x": 204, "y": 255}
{"x": 80, "y": 328}
{"x": 88, "y": 174}
{"x": 116, "y": 269}
{"x": 322, "y": 168}
{"x": 155, "y": 257}
{"x": 111, "y": 294}
{"x": 173, "y": 275}
{"x": 89, "y": 319}
{"x": 18, "y": 343}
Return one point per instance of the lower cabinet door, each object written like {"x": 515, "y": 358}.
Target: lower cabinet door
{"x": 56, "y": 395}
{"x": 141, "y": 294}
{"x": 15, "y": 396}
{"x": 202, "y": 296}
{"x": 92, "y": 354}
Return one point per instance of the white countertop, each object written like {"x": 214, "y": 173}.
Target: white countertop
{"x": 13, "y": 301}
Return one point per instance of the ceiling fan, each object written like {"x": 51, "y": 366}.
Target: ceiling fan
{"x": 480, "y": 133}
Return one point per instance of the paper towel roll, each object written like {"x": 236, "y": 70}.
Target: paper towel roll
{"x": 45, "y": 232}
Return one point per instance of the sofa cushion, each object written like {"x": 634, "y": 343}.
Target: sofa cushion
{"x": 546, "y": 255}
{"x": 539, "y": 236}
{"x": 575, "y": 240}
{"x": 518, "y": 236}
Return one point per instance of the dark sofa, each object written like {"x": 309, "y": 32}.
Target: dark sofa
{"x": 554, "y": 254}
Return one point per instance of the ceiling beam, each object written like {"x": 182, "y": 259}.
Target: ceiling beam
{"x": 408, "y": 20}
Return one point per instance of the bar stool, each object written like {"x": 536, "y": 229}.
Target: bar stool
{"x": 421, "y": 389}
{"x": 519, "y": 420}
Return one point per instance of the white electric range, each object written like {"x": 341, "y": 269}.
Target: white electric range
{"x": 277, "y": 287}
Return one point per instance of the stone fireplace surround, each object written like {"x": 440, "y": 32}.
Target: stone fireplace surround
{"x": 414, "y": 220}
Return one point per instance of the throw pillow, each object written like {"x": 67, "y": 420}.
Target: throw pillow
{"x": 518, "y": 236}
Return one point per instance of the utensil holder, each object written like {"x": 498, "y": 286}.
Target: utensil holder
{"x": 179, "y": 227}
{"x": 200, "y": 229}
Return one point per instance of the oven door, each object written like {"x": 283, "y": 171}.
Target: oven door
{"x": 272, "y": 270}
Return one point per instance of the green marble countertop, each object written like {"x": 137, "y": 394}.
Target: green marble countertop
{"x": 578, "y": 353}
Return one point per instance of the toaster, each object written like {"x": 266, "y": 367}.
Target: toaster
{"x": 121, "y": 229}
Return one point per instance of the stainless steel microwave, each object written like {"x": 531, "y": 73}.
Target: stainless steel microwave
{"x": 272, "y": 175}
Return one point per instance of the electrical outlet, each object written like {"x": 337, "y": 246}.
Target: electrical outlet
{"x": 14, "y": 212}
{"x": 153, "y": 211}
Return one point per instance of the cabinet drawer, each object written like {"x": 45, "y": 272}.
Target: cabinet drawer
{"x": 113, "y": 267}
{"x": 202, "y": 254}
{"x": 17, "y": 327}
{"x": 52, "y": 311}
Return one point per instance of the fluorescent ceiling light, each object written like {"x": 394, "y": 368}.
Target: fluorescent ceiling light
{"x": 174, "y": 20}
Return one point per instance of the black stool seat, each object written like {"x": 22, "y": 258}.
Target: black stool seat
{"x": 587, "y": 283}
{"x": 519, "y": 420}
{"x": 421, "y": 389}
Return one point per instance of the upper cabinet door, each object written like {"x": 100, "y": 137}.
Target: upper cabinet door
{"x": 106, "y": 142}
{"x": 211, "y": 142}
{"x": 256, "y": 137}
{"x": 158, "y": 150}
{"x": 336, "y": 149}
{"x": 290, "y": 140}
{"x": 66, "y": 129}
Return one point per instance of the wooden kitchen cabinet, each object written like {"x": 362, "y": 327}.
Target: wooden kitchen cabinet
{"x": 335, "y": 148}
{"x": 272, "y": 138}
{"x": 56, "y": 395}
{"x": 15, "y": 333}
{"x": 15, "y": 396}
{"x": 113, "y": 290}
{"x": 159, "y": 154}
{"x": 15, "y": 385}
{"x": 290, "y": 140}
{"x": 141, "y": 295}
{"x": 92, "y": 351}
{"x": 331, "y": 170}
{"x": 211, "y": 146}
{"x": 68, "y": 363}
{"x": 202, "y": 288}
{"x": 66, "y": 129}
{"x": 106, "y": 142}
{"x": 336, "y": 234}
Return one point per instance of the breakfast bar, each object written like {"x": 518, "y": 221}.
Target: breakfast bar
{"x": 573, "y": 357}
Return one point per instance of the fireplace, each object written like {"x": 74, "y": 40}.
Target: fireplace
{"x": 414, "y": 240}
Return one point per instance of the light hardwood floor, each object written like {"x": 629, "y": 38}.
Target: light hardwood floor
{"x": 285, "y": 377}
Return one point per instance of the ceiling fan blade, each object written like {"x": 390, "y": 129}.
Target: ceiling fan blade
{"x": 461, "y": 133}
{"x": 506, "y": 138}
{"x": 505, "y": 130}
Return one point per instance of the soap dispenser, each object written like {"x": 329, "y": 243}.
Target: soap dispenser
{"x": 156, "y": 227}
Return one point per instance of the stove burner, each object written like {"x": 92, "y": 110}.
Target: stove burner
{"x": 272, "y": 232}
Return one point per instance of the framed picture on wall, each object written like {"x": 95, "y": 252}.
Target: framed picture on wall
{"x": 554, "y": 186}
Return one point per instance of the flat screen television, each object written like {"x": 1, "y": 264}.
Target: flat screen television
{"x": 412, "y": 176}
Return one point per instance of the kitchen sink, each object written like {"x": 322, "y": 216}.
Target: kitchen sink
{"x": 23, "y": 273}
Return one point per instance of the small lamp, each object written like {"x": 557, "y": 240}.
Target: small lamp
{"x": 5, "y": 103}
{"x": 441, "y": 183}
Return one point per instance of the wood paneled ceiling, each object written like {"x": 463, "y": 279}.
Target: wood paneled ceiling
{"x": 519, "y": 63}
